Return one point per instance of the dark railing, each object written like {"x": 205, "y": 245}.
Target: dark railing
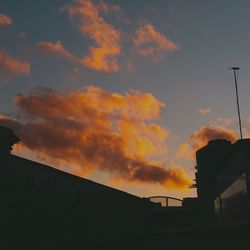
{"x": 166, "y": 201}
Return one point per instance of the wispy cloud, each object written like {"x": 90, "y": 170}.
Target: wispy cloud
{"x": 5, "y": 20}
{"x": 204, "y": 111}
{"x": 151, "y": 43}
{"x": 225, "y": 121}
{"x": 103, "y": 55}
{"x": 108, "y": 8}
{"x": 58, "y": 49}
{"x": 10, "y": 66}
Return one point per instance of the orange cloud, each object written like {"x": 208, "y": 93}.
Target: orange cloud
{"x": 10, "y": 122}
{"x": 97, "y": 130}
{"x": 11, "y": 66}
{"x": 204, "y": 111}
{"x": 205, "y": 134}
{"x": 184, "y": 151}
{"x": 58, "y": 49}
{"x": 103, "y": 56}
{"x": 5, "y": 20}
{"x": 150, "y": 43}
{"x": 107, "y": 8}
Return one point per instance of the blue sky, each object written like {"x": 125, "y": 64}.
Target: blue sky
{"x": 212, "y": 36}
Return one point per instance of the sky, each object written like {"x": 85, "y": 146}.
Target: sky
{"x": 123, "y": 92}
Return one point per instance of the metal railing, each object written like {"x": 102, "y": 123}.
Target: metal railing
{"x": 166, "y": 201}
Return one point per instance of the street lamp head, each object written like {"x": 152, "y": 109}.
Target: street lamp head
{"x": 235, "y": 68}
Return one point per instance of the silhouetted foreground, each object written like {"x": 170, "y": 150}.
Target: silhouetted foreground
{"x": 42, "y": 206}
{"x": 45, "y": 208}
{"x": 223, "y": 179}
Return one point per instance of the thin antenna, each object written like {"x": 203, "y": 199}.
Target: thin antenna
{"x": 236, "y": 74}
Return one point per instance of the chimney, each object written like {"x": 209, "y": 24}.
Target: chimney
{"x": 7, "y": 139}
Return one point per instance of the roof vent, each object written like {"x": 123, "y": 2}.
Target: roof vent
{"x": 7, "y": 139}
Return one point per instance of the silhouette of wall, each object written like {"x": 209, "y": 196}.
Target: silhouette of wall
{"x": 222, "y": 178}
{"x": 45, "y": 208}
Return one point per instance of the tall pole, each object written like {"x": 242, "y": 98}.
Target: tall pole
{"x": 236, "y": 69}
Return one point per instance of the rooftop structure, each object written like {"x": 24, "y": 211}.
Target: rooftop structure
{"x": 222, "y": 178}
{"x": 7, "y": 139}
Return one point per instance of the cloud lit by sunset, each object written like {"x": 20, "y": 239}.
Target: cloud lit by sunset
{"x": 122, "y": 91}
{"x": 5, "y": 20}
{"x": 95, "y": 129}
{"x": 103, "y": 55}
{"x": 206, "y": 134}
{"x": 10, "y": 66}
{"x": 150, "y": 43}
{"x": 56, "y": 48}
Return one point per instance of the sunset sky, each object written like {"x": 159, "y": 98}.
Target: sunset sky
{"x": 123, "y": 92}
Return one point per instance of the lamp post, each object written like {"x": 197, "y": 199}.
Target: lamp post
{"x": 236, "y": 71}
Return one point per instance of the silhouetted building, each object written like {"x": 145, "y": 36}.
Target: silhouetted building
{"x": 222, "y": 178}
{"x": 57, "y": 210}
{"x": 45, "y": 208}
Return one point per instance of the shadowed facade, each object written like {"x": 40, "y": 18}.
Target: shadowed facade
{"x": 222, "y": 179}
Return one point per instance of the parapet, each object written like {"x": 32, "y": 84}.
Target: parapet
{"x": 7, "y": 139}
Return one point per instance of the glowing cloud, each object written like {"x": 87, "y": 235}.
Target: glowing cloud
{"x": 5, "y": 20}
{"x": 150, "y": 43}
{"x": 11, "y": 66}
{"x": 184, "y": 151}
{"x": 56, "y": 48}
{"x": 97, "y": 130}
{"x": 103, "y": 56}
{"x": 205, "y": 134}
